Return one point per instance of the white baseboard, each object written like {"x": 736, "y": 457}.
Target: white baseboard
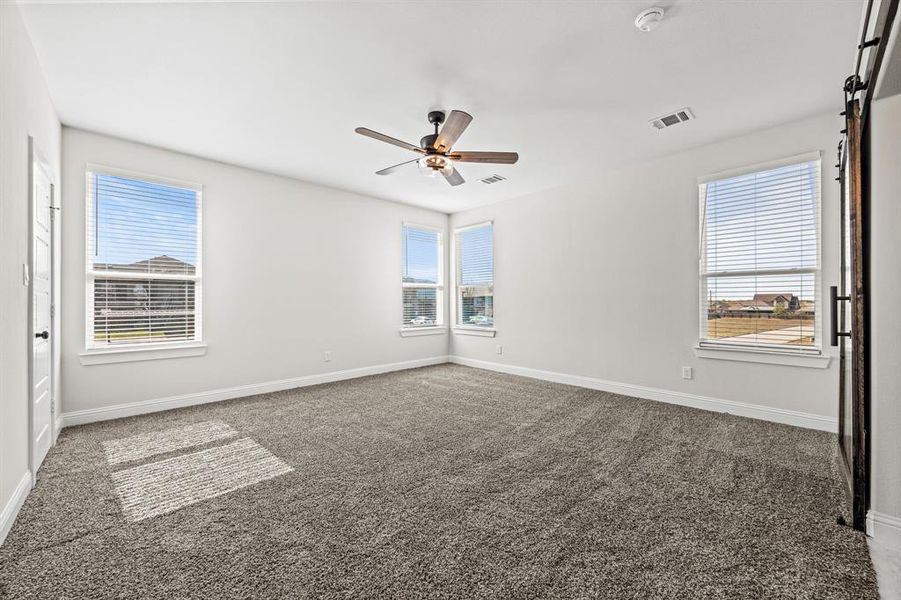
{"x": 80, "y": 417}
{"x": 884, "y": 528}
{"x": 742, "y": 409}
{"x": 754, "y": 411}
{"x": 8, "y": 516}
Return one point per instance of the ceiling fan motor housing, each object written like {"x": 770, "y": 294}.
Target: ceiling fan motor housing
{"x": 427, "y": 142}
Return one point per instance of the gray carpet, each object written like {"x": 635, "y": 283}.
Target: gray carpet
{"x": 442, "y": 482}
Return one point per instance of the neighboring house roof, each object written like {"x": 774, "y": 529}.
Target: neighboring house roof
{"x": 771, "y": 298}
{"x": 157, "y": 264}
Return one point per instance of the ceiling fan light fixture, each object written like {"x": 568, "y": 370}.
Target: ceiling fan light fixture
{"x": 433, "y": 164}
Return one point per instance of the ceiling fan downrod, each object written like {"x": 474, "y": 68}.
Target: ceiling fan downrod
{"x": 436, "y": 118}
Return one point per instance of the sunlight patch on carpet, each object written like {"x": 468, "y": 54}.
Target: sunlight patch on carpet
{"x": 137, "y": 447}
{"x": 165, "y": 486}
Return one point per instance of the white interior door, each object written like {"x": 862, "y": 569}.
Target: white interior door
{"x": 41, "y": 295}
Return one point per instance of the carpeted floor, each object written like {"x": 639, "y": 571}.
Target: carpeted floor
{"x": 442, "y": 482}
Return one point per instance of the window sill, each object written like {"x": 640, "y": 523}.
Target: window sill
{"x": 771, "y": 357}
{"x": 103, "y": 356}
{"x": 418, "y": 331}
{"x": 477, "y": 331}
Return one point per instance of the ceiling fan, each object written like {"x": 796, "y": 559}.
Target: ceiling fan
{"x": 435, "y": 149}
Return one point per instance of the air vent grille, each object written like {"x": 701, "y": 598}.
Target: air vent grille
{"x": 675, "y": 118}
{"x": 493, "y": 179}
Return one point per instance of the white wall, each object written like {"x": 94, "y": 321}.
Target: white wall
{"x": 290, "y": 270}
{"x": 885, "y": 307}
{"x": 600, "y": 278}
{"x": 25, "y": 110}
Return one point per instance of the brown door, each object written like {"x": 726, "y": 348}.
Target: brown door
{"x": 849, "y": 321}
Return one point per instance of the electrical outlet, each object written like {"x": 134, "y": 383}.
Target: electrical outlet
{"x": 327, "y": 356}
{"x": 500, "y": 349}
{"x": 686, "y": 373}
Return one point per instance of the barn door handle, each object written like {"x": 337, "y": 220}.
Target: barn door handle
{"x": 43, "y": 335}
{"x": 834, "y": 299}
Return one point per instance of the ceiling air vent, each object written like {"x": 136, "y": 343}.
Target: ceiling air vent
{"x": 680, "y": 116}
{"x": 492, "y": 179}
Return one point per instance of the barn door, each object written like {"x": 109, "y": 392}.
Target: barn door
{"x": 848, "y": 320}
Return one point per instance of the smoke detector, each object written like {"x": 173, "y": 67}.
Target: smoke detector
{"x": 649, "y": 19}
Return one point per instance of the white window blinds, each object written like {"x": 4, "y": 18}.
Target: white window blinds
{"x": 475, "y": 275}
{"x": 143, "y": 261}
{"x": 759, "y": 259}
{"x": 422, "y": 277}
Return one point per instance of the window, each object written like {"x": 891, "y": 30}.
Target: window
{"x": 475, "y": 276}
{"x": 143, "y": 261}
{"x": 759, "y": 258}
{"x": 422, "y": 278}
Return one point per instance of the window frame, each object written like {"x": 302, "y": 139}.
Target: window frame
{"x": 463, "y": 328}
{"x": 103, "y": 353}
{"x": 406, "y": 329}
{"x": 707, "y": 348}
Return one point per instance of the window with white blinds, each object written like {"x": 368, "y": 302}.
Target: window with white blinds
{"x": 143, "y": 261}
{"x": 475, "y": 275}
{"x": 422, "y": 277}
{"x": 759, "y": 258}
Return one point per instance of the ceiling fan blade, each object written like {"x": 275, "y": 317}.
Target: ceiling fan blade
{"x": 453, "y": 128}
{"x": 502, "y": 158}
{"x": 389, "y": 170}
{"x": 387, "y": 138}
{"x": 454, "y": 177}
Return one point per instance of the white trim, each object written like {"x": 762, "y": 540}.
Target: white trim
{"x": 32, "y": 160}
{"x": 817, "y": 272}
{"x": 138, "y": 352}
{"x": 765, "y": 348}
{"x": 742, "y": 409}
{"x": 891, "y": 49}
{"x": 11, "y": 510}
{"x": 455, "y": 313}
{"x": 483, "y": 332}
{"x": 473, "y": 226}
{"x": 418, "y": 331}
{"x": 884, "y": 528}
{"x": 438, "y": 287}
{"x": 762, "y": 166}
{"x": 117, "y": 411}
{"x": 169, "y": 181}
{"x": 91, "y": 170}
{"x": 753, "y": 355}
{"x": 413, "y": 225}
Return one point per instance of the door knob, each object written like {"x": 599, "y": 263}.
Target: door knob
{"x": 43, "y": 335}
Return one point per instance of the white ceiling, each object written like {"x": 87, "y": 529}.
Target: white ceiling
{"x": 569, "y": 85}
